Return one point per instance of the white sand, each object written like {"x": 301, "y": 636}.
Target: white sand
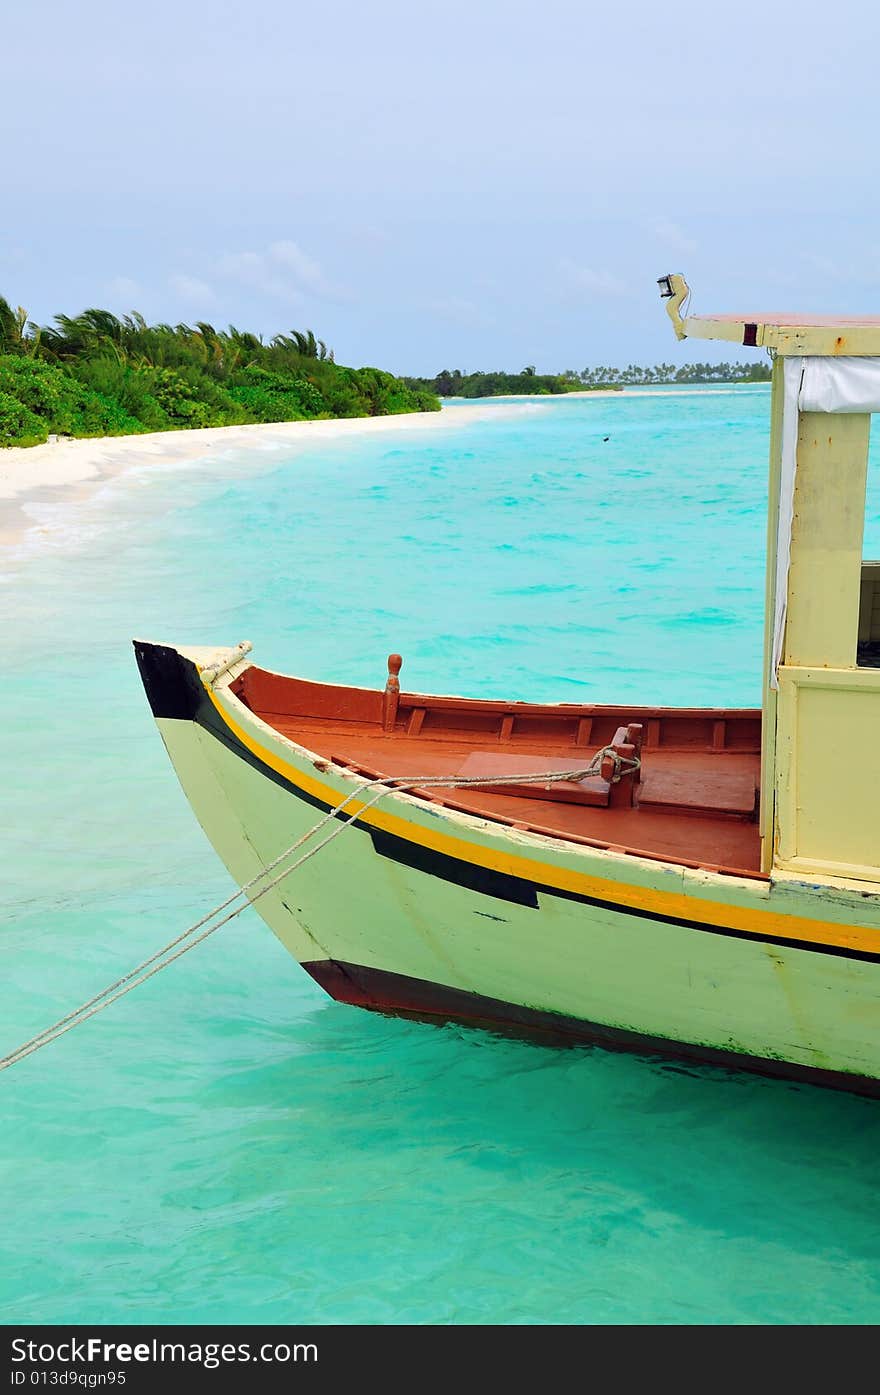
{"x": 24, "y": 469}
{"x": 66, "y": 469}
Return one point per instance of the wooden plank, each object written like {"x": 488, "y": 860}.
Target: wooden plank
{"x": 417, "y": 716}
{"x": 831, "y": 335}
{"x": 711, "y": 791}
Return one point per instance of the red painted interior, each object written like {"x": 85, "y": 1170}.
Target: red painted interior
{"x": 694, "y": 800}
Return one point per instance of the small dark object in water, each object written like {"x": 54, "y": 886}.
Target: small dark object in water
{"x": 606, "y": 438}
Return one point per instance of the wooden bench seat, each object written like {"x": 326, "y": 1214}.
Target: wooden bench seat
{"x": 699, "y": 791}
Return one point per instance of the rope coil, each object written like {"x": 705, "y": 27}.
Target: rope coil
{"x": 188, "y": 939}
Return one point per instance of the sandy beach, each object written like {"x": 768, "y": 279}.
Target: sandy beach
{"x": 66, "y": 468}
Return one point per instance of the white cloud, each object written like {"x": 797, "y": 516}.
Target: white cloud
{"x": 671, "y": 235}
{"x": 192, "y": 289}
{"x": 124, "y": 288}
{"x": 585, "y": 278}
{"x": 304, "y": 268}
{"x": 283, "y": 272}
{"x": 254, "y": 269}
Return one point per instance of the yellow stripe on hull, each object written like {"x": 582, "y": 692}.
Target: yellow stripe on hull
{"x": 763, "y": 923}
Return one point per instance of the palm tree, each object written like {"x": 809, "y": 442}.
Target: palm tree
{"x": 17, "y": 333}
{"x": 250, "y": 343}
{"x": 303, "y": 342}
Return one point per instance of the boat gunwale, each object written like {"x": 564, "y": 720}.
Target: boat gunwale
{"x": 452, "y": 700}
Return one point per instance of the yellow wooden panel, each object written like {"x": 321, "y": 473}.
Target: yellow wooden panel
{"x": 826, "y": 539}
{"x": 828, "y": 771}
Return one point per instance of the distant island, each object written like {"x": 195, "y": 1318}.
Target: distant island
{"x": 96, "y": 374}
{"x": 458, "y": 384}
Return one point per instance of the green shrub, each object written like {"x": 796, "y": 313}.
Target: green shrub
{"x": 18, "y": 424}
{"x": 387, "y": 395}
{"x": 174, "y": 396}
{"x": 223, "y": 408}
{"x": 343, "y": 394}
{"x": 61, "y": 401}
{"x": 277, "y": 396}
{"x": 48, "y": 392}
{"x": 125, "y": 385}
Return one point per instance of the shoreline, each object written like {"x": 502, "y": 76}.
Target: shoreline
{"x": 631, "y": 390}
{"x": 67, "y": 469}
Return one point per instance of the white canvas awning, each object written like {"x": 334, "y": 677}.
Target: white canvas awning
{"x": 812, "y": 385}
{"x": 839, "y": 384}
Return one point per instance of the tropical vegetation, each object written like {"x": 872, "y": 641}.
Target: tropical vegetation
{"x": 98, "y": 374}
{"x": 634, "y": 376}
{"x": 499, "y": 384}
{"x": 457, "y": 384}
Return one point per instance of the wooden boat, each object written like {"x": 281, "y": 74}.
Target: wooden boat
{"x": 709, "y": 889}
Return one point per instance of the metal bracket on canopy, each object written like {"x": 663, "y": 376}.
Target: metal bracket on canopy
{"x": 675, "y": 290}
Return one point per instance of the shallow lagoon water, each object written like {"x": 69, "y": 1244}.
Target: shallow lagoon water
{"x": 227, "y": 1144}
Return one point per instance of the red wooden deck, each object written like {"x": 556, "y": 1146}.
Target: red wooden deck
{"x": 694, "y": 802}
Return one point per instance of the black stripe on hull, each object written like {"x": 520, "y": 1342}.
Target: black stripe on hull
{"x": 171, "y": 682}
{"x": 173, "y": 685}
{"x": 499, "y": 885}
{"x": 396, "y": 995}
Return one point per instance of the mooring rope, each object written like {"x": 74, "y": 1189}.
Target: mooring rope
{"x": 184, "y": 942}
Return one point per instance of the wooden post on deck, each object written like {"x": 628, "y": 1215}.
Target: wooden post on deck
{"x": 391, "y": 696}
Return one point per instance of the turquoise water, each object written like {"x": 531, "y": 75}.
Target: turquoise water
{"x": 227, "y": 1144}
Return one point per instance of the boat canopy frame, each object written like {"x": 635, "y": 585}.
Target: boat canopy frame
{"x": 820, "y": 779}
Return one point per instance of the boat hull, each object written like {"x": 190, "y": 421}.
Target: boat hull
{"x": 431, "y": 913}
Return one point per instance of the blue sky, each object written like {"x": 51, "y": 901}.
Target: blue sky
{"x": 471, "y": 185}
